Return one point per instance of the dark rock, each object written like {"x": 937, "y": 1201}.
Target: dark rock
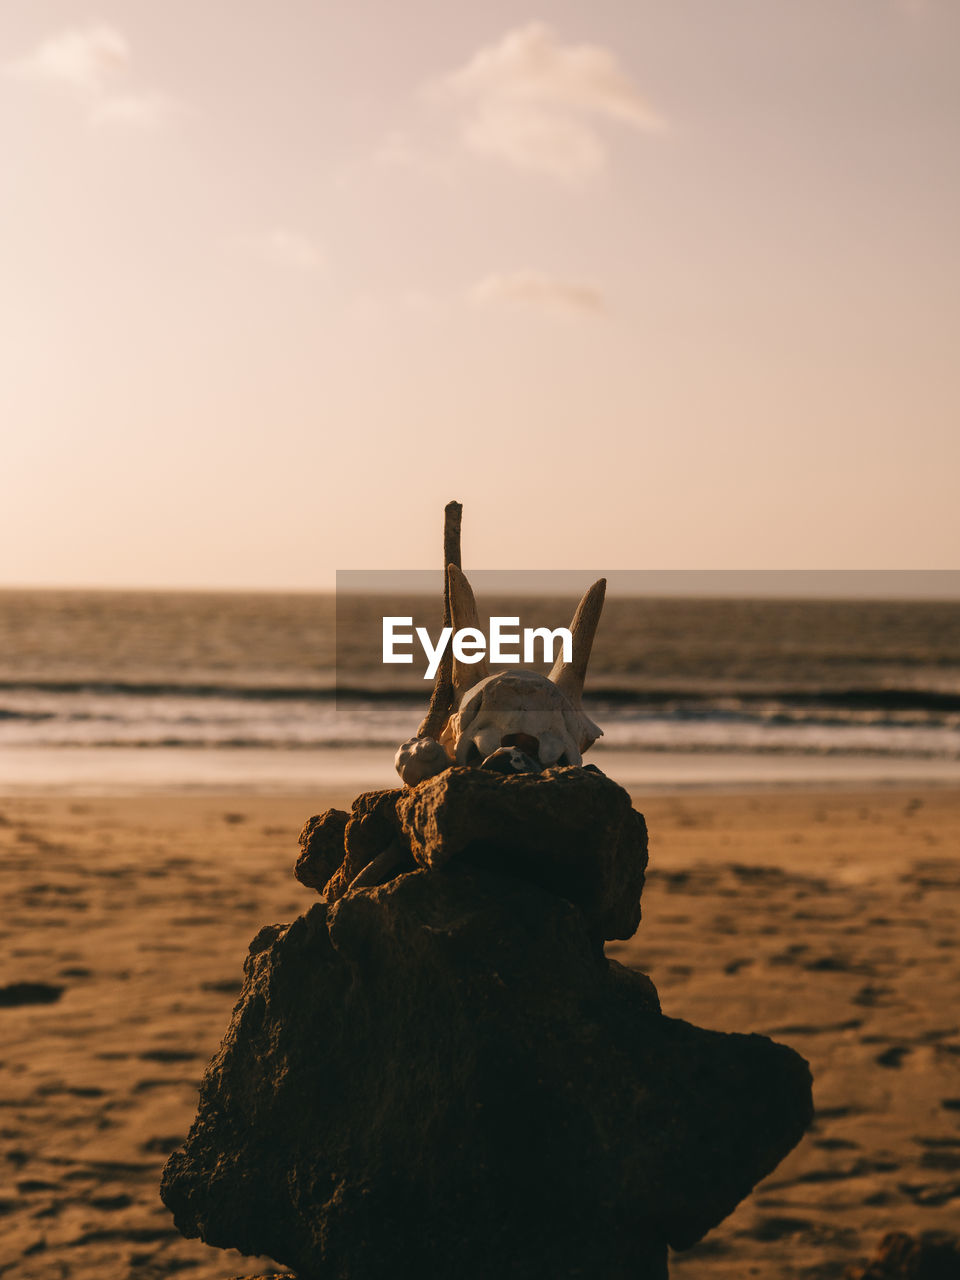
{"x": 930, "y": 1256}
{"x": 440, "y": 1077}
{"x": 321, "y": 848}
{"x": 571, "y": 830}
{"x": 372, "y": 826}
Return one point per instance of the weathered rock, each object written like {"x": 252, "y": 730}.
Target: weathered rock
{"x": 572, "y": 830}
{"x": 440, "y": 1077}
{"x": 930, "y": 1256}
{"x": 372, "y": 826}
{"x": 321, "y": 848}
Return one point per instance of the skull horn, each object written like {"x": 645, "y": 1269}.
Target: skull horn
{"x": 569, "y": 676}
{"x": 463, "y": 611}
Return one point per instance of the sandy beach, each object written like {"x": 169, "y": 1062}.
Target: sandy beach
{"x": 829, "y": 919}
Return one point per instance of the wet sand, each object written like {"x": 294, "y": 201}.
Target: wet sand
{"x": 828, "y": 919}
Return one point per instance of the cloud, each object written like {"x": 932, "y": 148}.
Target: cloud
{"x": 539, "y": 104}
{"x": 80, "y": 59}
{"x": 283, "y": 247}
{"x": 132, "y": 110}
{"x": 398, "y": 152}
{"x": 93, "y": 62}
{"x": 396, "y": 155}
{"x": 536, "y": 289}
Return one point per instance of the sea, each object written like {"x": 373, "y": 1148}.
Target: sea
{"x": 112, "y": 690}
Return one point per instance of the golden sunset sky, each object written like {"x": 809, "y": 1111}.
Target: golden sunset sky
{"x": 645, "y": 285}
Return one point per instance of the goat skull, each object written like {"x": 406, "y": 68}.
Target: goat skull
{"x": 542, "y": 715}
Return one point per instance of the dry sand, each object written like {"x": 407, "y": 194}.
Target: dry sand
{"x": 828, "y": 920}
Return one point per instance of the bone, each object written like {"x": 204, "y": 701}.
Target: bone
{"x": 382, "y": 867}
{"x": 420, "y": 758}
{"x": 510, "y": 760}
{"x": 570, "y": 676}
{"x": 473, "y": 714}
{"x": 525, "y": 706}
{"x": 464, "y": 613}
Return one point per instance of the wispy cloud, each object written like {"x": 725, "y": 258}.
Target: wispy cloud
{"x": 537, "y": 289}
{"x": 539, "y": 104}
{"x": 133, "y": 110}
{"x": 396, "y": 155}
{"x": 80, "y": 59}
{"x": 281, "y": 246}
{"x": 399, "y": 152}
{"x": 94, "y": 63}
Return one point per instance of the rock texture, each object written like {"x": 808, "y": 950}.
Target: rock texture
{"x": 321, "y": 848}
{"x": 336, "y": 846}
{"x": 569, "y": 829}
{"x": 439, "y": 1076}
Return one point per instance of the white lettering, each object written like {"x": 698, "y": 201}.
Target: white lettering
{"x": 530, "y": 635}
{"x": 498, "y": 637}
{"x": 469, "y": 645}
{"x": 390, "y": 638}
{"x": 433, "y": 654}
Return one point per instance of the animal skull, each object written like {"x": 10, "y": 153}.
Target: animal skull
{"x": 541, "y": 715}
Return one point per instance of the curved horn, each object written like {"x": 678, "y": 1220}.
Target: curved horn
{"x": 463, "y": 613}
{"x": 569, "y": 676}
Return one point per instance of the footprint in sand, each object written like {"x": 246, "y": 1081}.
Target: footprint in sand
{"x": 228, "y": 986}
{"x": 169, "y": 1055}
{"x": 17, "y": 994}
{"x": 893, "y": 1057}
{"x": 948, "y": 1161}
{"x": 930, "y": 1195}
{"x": 111, "y": 1203}
{"x": 869, "y": 996}
{"x": 777, "y": 1228}
{"x": 162, "y": 1146}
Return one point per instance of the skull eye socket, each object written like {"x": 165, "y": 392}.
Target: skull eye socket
{"x": 524, "y": 741}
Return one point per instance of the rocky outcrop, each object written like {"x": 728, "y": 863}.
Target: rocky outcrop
{"x": 321, "y": 848}
{"x": 439, "y": 1076}
{"x": 571, "y": 830}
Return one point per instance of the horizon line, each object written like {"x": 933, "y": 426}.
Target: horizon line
{"x": 805, "y": 584}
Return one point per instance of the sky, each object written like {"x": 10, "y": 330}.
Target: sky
{"x": 645, "y": 285}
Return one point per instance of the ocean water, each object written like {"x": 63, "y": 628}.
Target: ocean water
{"x": 92, "y": 682}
